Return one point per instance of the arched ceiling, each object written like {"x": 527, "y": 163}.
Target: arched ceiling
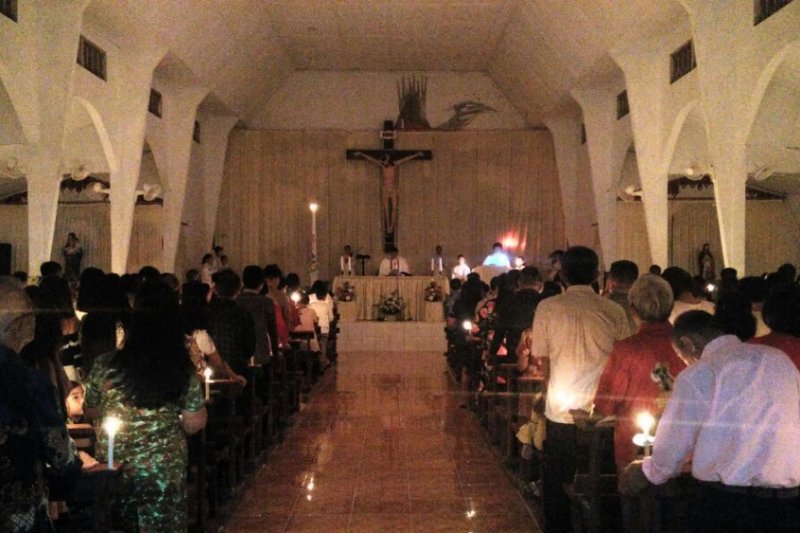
{"x": 535, "y": 50}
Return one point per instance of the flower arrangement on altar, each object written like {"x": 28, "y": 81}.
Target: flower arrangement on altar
{"x": 346, "y": 292}
{"x": 393, "y": 304}
{"x": 434, "y": 292}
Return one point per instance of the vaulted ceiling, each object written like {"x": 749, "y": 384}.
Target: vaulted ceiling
{"x": 535, "y": 50}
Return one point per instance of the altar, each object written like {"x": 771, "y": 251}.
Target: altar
{"x": 370, "y": 290}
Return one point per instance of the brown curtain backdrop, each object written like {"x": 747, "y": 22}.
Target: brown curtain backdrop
{"x": 480, "y": 187}
{"x": 90, "y": 221}
{"x": 772, "y": 234}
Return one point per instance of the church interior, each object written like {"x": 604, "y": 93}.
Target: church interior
{"x": 641, "y": 130}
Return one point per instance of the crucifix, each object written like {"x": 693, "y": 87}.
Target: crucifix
{"x": 389, "y": 161}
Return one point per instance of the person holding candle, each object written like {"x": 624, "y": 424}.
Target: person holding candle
{"x": 735, "y": 412}
{"x": 32, "y": 430}
{"x": 573, "y": 333}
{"x": 151, "y": 386}
{"x": 638, "y": 375}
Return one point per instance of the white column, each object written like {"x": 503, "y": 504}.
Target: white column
{"x": 598, "y": 107}
{"x": 180, "y": 110}
{"x": 216, "y": 129}
{"x": 566, "y": 139}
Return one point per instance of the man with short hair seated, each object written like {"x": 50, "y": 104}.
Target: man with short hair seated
{"x": 735, "y": 412}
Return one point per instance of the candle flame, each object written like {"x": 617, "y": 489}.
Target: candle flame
{"x": 295, "y": 297}
{"x": 313, "y": 206}
{"x": 645, "y": 421}
{"x": 207, "y": 373}
{"x": 111, "y": 425}
{"x": 467, "y": 325}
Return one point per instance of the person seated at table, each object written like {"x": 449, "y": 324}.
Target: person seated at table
{"x": 735, "y": 412}
{"x": 32, "y": 430}
{"x": 202, "y": 350}
{"x": 498, "y": 257}
{"x": 151, "y": 386}
{"x": 640, "y": 369}
{"x": 782, "y": 315}
{"x": 393, "y": 264}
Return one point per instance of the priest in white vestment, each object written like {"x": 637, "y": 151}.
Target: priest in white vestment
{"x": 393, "y": 264}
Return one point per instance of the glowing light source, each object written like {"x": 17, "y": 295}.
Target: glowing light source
{"x": 645, "y": 421}
{"x": 467, "y": 325}
{"x": 711, "y": 287}
{"x": 111, "y": 425}
{"x": 313, "y": 206}
{"x": 295, "y": 297}
{"x": 207, "y": 373}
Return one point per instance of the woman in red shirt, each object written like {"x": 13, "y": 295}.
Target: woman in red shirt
{"x": 640, "y": 369}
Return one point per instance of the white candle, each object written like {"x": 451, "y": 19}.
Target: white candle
{"x": 207, "y": 374}
{"x": 646, "y": 422}
{"x": 341, "y": 265}
{"x": 111, "y": 425}
{"x": 313, "y": 206}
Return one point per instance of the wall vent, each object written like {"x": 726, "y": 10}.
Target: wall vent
{"x": 763, "y": 9}
{"x": 92, "y": 57}
{"x": 9, "y": 9}
{"x": 583, "y": 133}
{"x": 682, "y": 61}
{"x": 622, "y": 105}
{"x": 196, "y": 132}
{"x": 154, "y": 104}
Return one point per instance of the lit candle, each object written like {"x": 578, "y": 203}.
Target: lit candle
{"x": 111, "y": 425}
{"x": 207, "y": 374}
{"x": 313, "y": 206}
{"x": 467, "y": 325}
{"x": 646, "y": 423}
{"x": 295, "y": 297}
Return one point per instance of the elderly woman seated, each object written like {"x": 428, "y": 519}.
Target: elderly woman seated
{"x": 640, "y": 369}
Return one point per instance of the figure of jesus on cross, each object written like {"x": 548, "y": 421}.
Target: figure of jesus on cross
{"x": 388, "y": 160}
{"x": 389, "y": 186}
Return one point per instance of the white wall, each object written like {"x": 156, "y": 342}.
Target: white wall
{"x": 363, "y": 100}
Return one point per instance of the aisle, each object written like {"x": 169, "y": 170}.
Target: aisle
{"x": 383, "y": 446}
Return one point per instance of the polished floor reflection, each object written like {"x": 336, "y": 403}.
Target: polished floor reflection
{"x": 383, "y": 446}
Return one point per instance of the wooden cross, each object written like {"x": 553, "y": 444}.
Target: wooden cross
{"x": 389, "y": 159}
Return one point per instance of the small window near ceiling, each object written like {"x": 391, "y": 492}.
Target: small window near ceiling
{"x": 583, "y": 133}
{"x": 196, "y": 132}
{"x": 92, "y": 57}
{"x": 622, "y": 104}
{"x": 766, "y": 8}
{"x": 9, "y": 9}
{"x": 154, "y": 104}
{"x": 682, "y": 61}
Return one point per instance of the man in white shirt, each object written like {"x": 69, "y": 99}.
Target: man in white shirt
{"x": 393, "y": 264}
{"x": 735, "y": 412}
{"x": 461, "y": 270}
{"x": 498, "y": 257}
{"x": 573, "y": 333}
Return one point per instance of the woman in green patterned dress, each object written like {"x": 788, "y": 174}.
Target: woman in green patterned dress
{"x": 150, "y": 386}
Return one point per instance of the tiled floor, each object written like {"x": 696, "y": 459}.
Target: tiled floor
{"x": 370, "y": 336}
{"x": 383, "y": 446}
